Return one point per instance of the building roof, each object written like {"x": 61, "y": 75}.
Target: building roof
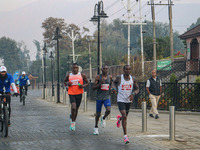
{"x": 32, "y": 77}
{"x": 192, "y": 33}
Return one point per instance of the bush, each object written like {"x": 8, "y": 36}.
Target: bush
{"x": 173, "y": 78}
{"x": 197, "y": 80}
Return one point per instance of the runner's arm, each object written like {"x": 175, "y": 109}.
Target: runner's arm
{"x": 116, "y": 83}
{"x": 96, "y": 83}
{"x": 66, "y": 81}
{"x": 86, "y": 81}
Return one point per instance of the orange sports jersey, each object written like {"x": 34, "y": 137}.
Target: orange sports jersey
{"x": 75, "y": 79}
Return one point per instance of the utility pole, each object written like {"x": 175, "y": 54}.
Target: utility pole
{"x": 154, "y": 31}
{"x": 44, "y": 69}
{"x": 171, "y": 31}
{"x": 57, "y": 37}
{"x": 141, "y": 34}
{"x": 90, "y": 61}
{"x": 154, "y": 34}
{"x": 100, "y": 56}
{"x": 141, "y": 37}
{"x": 52, "y": 72}
{"x": 128, "y": 8}
{"x": 73, "y": 38}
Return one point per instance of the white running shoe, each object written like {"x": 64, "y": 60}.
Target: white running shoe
{"x": 103, "y": 122}
{"x": 96, "y": 131}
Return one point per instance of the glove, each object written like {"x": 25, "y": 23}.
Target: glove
{"x": 29, "y": 85}
{"x": 16, "y": 94}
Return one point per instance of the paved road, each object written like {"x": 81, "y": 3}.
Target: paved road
{"x": 42, "y": 125}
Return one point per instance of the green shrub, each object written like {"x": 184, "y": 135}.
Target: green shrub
{"x": 197, "y": 79}
{"x": 173, "y": 78}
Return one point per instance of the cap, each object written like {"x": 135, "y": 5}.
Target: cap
{"x": 23, "y": 72}
{"x": 3, "y": 68}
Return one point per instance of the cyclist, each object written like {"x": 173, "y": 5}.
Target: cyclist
{"x": 23, "y": 82}
{"x": 6, "y": 80}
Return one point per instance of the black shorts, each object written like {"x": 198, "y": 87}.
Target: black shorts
{"x": 76, "y": 99}
{"x": 124, "y": 106}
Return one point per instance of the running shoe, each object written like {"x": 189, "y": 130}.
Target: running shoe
{"x": 73, "y": 126}
{"x": 151, "y": 115}
{"x": 156, "y": 117}
{"x": 70, "y": 118}
{"x": 103, "y": 122}
{"x": 96, "y": 131}
{"x": 126, "y": 140}
{"x": 118, "y": 121}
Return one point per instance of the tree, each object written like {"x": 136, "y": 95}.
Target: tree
{"x": 37, "y": 44}
{"x": 15, "y": 55}
{"x": 194, "y": 24}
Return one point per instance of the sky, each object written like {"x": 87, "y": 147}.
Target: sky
{"x": 21, "y": 20}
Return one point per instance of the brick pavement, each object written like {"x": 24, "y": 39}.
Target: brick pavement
{"x": 44, "y": 125}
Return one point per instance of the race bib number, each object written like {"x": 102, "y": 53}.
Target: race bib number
{"x": 74, "y": 82}
{"x": 105, "y": 87}
{"x": 126, "y": 87}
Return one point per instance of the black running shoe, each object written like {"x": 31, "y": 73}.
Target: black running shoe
{"x": 151, "y": 115}
{"x": 156, "y": 117}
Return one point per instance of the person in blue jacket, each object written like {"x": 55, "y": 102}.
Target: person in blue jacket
{"x": 23, "y": 81}
{"x": 6, "y": 80}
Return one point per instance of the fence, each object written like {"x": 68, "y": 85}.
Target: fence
{"x": 185, "y": 96}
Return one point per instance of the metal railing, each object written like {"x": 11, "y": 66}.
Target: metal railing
{"x": 185, "y": 96}
{"x": 180, "y": 68}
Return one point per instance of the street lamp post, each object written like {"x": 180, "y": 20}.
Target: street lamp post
{"x": 57, "y": 37}
{"x": 52, "y": 74}
{"x": 98, "y": 14}
{"x": 44, "y": 69}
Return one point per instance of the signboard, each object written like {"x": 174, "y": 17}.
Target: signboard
{"x": 163, "y": 63}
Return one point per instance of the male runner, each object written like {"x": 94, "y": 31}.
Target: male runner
{"x": 127, "y": 87}
{"x": 102, "y": 85}
{"x": 75, "y": 82}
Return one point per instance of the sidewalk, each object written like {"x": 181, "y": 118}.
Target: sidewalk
{"x": 187, "y": 128}
{"x": 44, "y": 125}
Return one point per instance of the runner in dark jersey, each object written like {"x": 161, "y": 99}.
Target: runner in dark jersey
{"x": 102, "y": 85}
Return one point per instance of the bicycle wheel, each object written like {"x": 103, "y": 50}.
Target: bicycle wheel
{"x": 23, "y": 99}
{"x": 5, "y": 122}
{"x": 1, "y": 126}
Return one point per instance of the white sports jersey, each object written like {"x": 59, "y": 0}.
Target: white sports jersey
{"x": 124, "y": 90}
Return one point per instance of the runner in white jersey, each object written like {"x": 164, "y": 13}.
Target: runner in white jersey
{"x": 126, "y": 87}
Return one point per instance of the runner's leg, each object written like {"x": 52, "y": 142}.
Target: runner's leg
{"x": 98, "y": 112}
{"x": 78, "y": 103}
{"x": 107, "y": 105}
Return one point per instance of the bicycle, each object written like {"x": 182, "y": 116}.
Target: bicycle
{"x": 22, "y": 99}
{"x": 4, "y": 114}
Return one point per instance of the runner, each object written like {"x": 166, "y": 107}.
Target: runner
{"x": 127, "y": 87}
{"x": 75, "y": 82}
{"x": 102, "y": 85}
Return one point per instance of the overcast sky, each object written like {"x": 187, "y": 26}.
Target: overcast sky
{"x": 22, "y": 19}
